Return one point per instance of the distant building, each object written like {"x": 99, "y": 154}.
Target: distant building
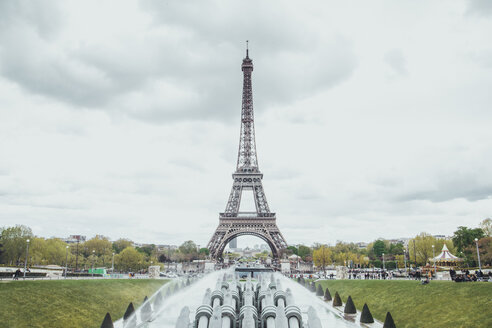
{"x": 72, "y": 239}
{"x": 166, "y": 247}
{"x": 361, "y": 245}
{"x": 403, "y": 241}
{"x": 442, "y": 237}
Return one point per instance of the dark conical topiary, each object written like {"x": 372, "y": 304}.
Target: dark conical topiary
{"x": 302, "y": 281}
{"x": 299, "y": 279}
{"x": 327, "y": 295}
{"x": 129, "y": 311}
{"x": 319, "y": 291}
{"x": 158, "y": 300}
{"x": 146, "y": 311}
{"x": 313, "y": 287}
{"x": 188, "y": 282}
{"x": 130, "y": 321}
{"x": 107, "y": 322}
{"x": 388, "y": 322}
{"x": 366, "y": 316}
{"x": 349, "y": 306}
{"x": 337, "y": 301}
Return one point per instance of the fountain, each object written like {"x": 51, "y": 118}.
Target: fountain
{"x": 221, "y": 300}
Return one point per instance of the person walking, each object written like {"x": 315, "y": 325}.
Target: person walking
{"x": 17, "y": 274}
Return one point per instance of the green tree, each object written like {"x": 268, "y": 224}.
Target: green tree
{"x": 293, "y": 249}
{"x": 322, "y": 257}
{"x": 100, "y": 244}
{"x": 121, "y": 244}
{"x": 48, "y": 251}
{"x": 14, "y": 243}
{"x": 204, "y": 251}
{"x": 147, "y": 249}
{"x": 396, "y": 249}
{"x": 188, "y": 251}
{"x": 102, "y": 247}
{"x": 423, "y": 248}
{"x": 304, "y": 252}
{"x": 379, "y": 248}
{"x": 130, "y": 259}
{"x": 465, "y": 237}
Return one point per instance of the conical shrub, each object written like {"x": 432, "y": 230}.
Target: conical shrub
{"x": 327, "y": 295}
{"x": 388, "y": 322}
{"x": 129, "y": 320}
{"x": 299, "y": 279}
{"x": 349, "y": 306}
{"x": 129, "y": 311}
{"x": 313, "y": 286}
{"x": 319, "y": 291}
{"x": 337, "y": 301}
{"x": 107, "y": 322}
{"x": 146, "y": 311}
{"x": 366, "y": 316}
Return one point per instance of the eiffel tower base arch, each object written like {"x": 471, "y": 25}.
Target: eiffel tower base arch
{"x": 230, "y": 228}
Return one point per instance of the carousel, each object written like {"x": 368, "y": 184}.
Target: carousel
{"x": 446, "y": 259}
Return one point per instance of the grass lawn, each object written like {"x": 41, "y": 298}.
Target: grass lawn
{"x": 70, "y": 303}
{"x": 439, "y": 304}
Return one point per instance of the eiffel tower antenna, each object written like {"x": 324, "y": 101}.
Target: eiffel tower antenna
{"x": 232, "y": 222}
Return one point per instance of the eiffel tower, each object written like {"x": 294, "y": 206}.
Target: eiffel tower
{"x": 262, "y": 222}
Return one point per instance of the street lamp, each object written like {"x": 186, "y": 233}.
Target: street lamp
{"x": 434, "y": 259}
{"x": 112, "y": 264}
{"x": 384, "y": 267}
{"x": 66, "y": 262}
{"x": 27, "y": 254}
{"x": 478, "y": 255}
{"x": 93, "y": 251}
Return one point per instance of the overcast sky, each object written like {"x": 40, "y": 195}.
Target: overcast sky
{"x": 121, "y": 118}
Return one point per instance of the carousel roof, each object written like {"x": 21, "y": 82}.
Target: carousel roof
{"x": 445, "y": 255}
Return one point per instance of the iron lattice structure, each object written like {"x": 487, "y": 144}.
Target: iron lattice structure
{"x": 262, "y": 222}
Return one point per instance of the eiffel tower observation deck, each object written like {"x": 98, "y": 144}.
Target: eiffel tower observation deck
{"x": 247, "y": 177}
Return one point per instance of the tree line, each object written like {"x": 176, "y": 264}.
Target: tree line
{"x": 418, "y": 252}
{"x": 98, "y": 251}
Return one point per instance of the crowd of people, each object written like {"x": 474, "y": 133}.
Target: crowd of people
{"x": 466, "y": 276}
{"x": 423, "y": 275}
{"x": 371, "y": 274}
